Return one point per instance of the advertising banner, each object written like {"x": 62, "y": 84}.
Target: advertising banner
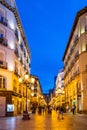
{"x": 2, "y": 106}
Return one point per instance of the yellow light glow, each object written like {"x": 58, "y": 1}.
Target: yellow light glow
{"x": 32, "y": 94}
{"x": 12, "y": 46}
{"x": 11, "y": 24}
{"x": 32, "y": 88}
{"x": 82, "y": 30}
{"x": 83, "y": 48}
{"x": 11, "y": 68}
{"x": 11, "y": 43}
{"x": 32, "y": 80}
{"x": 63, "y": 92}
{"x": 20, "y": 80}
{"x": 26, "y": 76}
{"x": 59, "y": 91}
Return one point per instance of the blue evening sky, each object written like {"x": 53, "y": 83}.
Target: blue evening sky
{"x": 47, "y": 25}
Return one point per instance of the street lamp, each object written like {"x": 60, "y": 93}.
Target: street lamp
{"x": 26, "y": 82}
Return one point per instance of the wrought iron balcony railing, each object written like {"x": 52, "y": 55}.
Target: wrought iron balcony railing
{"x": 3, "y": 20}
{"x": 3, "y": 64}
{"x": 16, "y": 72}
{"x": 16, "y": 52}
{"x": 3, "y": 41}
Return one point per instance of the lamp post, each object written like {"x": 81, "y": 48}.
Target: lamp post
{"x": 26, "y": 82}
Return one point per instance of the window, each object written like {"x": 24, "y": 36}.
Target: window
{"x": 2, "y": 13}
{"x": 15, "y": 85}
{"x": 1, "y": 33}
{"x": 2, "y": 82}
{"x": 16, "y": 34}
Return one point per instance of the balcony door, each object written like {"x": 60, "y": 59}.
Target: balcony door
{"x": 2, "y": 82}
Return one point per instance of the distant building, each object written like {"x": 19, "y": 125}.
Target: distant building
{"x": 36, "y": 94}
{"x": 47, "y": 98}
{"x": 75, "y": 64}
{"x": 51, "y": 93}
{"x": 59, "y": 90}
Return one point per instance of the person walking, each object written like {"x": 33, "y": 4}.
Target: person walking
{"x": 60, "y": 113}
{"x": 73, "y": 109}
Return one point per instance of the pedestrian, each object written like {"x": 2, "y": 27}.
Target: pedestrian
{"x": 73, "y": 109}
{"x": 60, "y": 113}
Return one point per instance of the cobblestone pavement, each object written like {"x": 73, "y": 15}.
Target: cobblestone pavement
{"x": 45, "y": 122}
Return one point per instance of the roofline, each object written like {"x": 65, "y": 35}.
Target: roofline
{"x": 36, "y": 78}
{"x": 79, "y": 13}
{"x": 19, "y": 23}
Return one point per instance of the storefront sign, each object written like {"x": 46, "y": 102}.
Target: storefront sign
{"x": 10, "y": 107}
{"x": 2, "y": 106}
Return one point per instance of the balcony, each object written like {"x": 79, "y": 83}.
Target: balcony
{"x": 20, "y": 91}
{"x": 3, "y": 41}
{"x": 69, "y": 69}
{"x": 76, "y": 55}
{"x": 3, "y": 20}
{"x": 14, "y": 88}
{"x": 27, "y": 60}
{"x": 16, "y": 34}
{"x": 76, "y": 40}
{"x": 24, "y": 54}
{"x": 16, "y": 52}
{"x": 3, "y": 64}
{"x": 21, "y": 46}
{"x": 21, "y": 60}
{"x": 71, "y": 51}
{"x": 35, "y": 90}
{"x": 24, "y": 67}
{"x": 16, "y": 72}
{"x": 72, "y": 63}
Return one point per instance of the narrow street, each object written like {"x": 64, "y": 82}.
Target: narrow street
{"x": 45, "y": 122}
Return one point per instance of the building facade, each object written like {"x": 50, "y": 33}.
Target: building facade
{"x": 59, "y": 90}
{"x": 14, "y": 60}
{"x": 75, "y": 64}
{"x": 36, "y": 91}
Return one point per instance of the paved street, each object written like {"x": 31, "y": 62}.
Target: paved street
{"x": 45, "y": 122}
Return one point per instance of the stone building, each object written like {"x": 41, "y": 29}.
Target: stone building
{"x": 75, "y": 64}
{"x": 59, "y": 90}
{"x": 14, "y": 60}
